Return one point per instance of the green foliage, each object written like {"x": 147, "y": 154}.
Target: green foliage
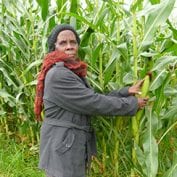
{"x": 155, "y": 16}
{"x": 18, "y": 160}
{"x": 172, "y": 172}
{"x": 44, "y": 4}
{"x": 120, "y": 47}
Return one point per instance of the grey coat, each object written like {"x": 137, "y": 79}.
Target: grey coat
{"x": 67, "y": 139}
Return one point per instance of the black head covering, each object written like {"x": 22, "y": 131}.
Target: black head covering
{"x": 53, "y": 36}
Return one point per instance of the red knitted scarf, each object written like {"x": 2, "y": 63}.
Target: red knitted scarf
{"x": 77, "y": 66}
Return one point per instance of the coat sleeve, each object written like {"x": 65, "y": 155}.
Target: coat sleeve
{"x": 66, "y": 90}
{"x": 120, "y": 93}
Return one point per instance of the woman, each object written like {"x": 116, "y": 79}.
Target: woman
{"x": 67, "y": 138}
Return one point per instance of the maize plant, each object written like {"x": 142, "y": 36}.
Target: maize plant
{"x": 121, "y": 41}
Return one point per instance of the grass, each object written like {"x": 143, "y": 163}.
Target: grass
{"x": 18, "y": 160}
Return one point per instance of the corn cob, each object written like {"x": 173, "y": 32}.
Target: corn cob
{"x": 144, "y": 92}
{"x": 137, "y": 117}
{"x": 145, "y": 86}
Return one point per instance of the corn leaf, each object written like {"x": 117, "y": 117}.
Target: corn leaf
{"x": 8, "y": 98}
{"x": 172, "y": 171}
{"x": 150, "y": 147}
{"x": 123, "y": 50}
{"x": 169, "y": 91}
{"x": 164, "y": 61}
{"x": 158, "y": 81}
{"x": 155, "y": 1}
{"x": 8, "y": 78}
{"x": 170, "y": 113}
{"x": 44, "y": 8}
{"x": 74, "y": 6}
{"x": 156, "y": 18}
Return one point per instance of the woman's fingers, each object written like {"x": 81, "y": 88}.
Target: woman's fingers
{"x": 140, "y": 83}
{"x": 142, "y": 102}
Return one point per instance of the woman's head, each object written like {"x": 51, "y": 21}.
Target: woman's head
{"x": 64, "y": 38}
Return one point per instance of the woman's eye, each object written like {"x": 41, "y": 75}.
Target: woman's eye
{"x": 73, "y": 42}
{"x": 62, "y": 43}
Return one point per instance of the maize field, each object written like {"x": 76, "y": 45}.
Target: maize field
{"x": 122, "y": 42}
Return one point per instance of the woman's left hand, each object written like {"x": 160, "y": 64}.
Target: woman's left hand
{"x": 135, "y": 89}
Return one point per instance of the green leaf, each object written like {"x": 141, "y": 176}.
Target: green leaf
{"x": 137, "y": 4}
{"x": 2, "y": 113}
{"x": 35, "y": 63}
{"x": 44, "y": 8}
{"x": 96, "y": 53}
{"x": 148, "y": 54}
{"x": 101, "y": 15}
{"x": 172, "y": 171}
{"x": 84, "y": 20}
{"x": 123, "y": 50}
{"x": 158, "y": 81}
{"x": 169, "y": 91}
{"x": 32, "y": 83}
{"x": 115, "y": 56}
{"x": 8, "y": 79}
{"x": 141, "y": 158}
{"x": 60, "y": 4}
{"x": 156, "y": 18}
{"x": 8, "y": 98}
{"x": 86, "y": 36}
{"x": 150, "y": 147}
{"x": 74, "y": 6}
{"x": 17, "y": 43}
{"x": 96, "y": 84}
{"x": 162, "y": 62}
{"x": 174, "y": 30}
{"x": 167, "y": 131}
{"x": 111, "y": 65}
{"x": 155, "y": 1}
{"x": 171, "y": 113}
{"x": 128, "y": 79}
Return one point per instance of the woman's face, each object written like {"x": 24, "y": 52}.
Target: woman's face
{"x": 67, "y": 43}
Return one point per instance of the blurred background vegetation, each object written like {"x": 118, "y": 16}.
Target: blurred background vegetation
{"x": 121, "y": 41}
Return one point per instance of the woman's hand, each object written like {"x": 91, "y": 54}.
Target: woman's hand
{"x": 142, "y": 102}
{"x": 135, "y": 89}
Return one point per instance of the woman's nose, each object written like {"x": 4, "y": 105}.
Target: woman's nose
{"x": 69, "y": 45}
